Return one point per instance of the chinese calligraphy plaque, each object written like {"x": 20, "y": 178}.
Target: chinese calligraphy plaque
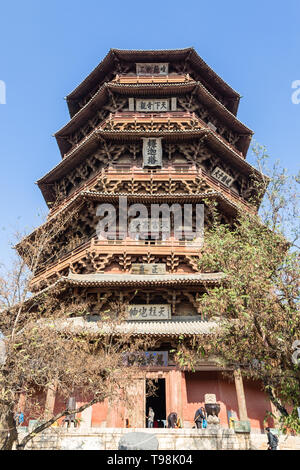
{"x": 223, "y": 177}
{"x": 152, "y": 152}
{"x": 151, "y": 268}
{"x": 152, "y": 69}
{"x": 148, "y": 358}
{"x": 149, "y": 312}
{"x": 151, "y": 106}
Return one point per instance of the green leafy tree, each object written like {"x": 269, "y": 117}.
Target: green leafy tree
{"x": 257, "y": 306}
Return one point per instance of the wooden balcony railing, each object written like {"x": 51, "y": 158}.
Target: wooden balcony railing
{"x": 106, "y": 246}
{"x": 172, "y": 78}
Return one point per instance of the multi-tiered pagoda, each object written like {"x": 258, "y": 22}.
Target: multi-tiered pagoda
{"x": 152, "y": 127}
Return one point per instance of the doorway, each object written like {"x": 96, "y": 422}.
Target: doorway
{"x": 157, "y": 401}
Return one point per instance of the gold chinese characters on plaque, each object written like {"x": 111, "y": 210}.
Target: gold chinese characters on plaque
{"x": 138, "y": 268}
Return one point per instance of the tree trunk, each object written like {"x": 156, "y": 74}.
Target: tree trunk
{"x": 282, "y": 410}
{"x": 8, "y": 430}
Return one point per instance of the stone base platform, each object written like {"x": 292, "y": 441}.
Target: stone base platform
{"x": 169, "y": 439}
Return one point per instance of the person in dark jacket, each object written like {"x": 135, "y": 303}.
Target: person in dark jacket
{"x": 172, "y": 420}
{"x": 199, "y": 416}
{"x": 272, "y": 440}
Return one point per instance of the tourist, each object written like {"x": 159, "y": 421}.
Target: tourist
{"x": 199, "y": 416}
{"x": 179, "y": 423}
{"x": 272, "y": 440}
{"x": 172, "y": 420}
{"x": 204, "y": 421}
{"x": 19, "y": 418}
{"x": 150, "y": 417}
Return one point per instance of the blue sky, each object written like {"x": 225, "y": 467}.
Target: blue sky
{"x": 48, "y": 47}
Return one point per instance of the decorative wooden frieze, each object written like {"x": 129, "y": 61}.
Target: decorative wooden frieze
{"x": 125, "y": 261}
{"x": 191, "y": 103}
{"x": 193, "y": 262}
{"x": 148, "y": 259}
{"x": 172, "y": 262}
{"x": 115, "y": 103}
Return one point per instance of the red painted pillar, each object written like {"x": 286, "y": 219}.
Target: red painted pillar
{"x": 174, "y": 400}
{"x": 240, "y": 393}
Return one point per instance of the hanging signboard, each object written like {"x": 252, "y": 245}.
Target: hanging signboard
{"x": 152, "y": 225}
{"x": 151, "y": 106}
{"x": 148, "y": 358}
{"x": 152, "y": 69}
{"x": 142, "y": 312}
{"x": 151, "y": 268}
{"x": 152, "y": 152}
{"x": 223, "y": 177}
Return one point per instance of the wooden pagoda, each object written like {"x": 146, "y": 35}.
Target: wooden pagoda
{"x": 173, "y": 100}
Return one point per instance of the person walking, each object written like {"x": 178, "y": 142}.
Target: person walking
{"x": 199, "y": 416}
{"x": 272, "y": 440}
{"x": 150, "y": 417}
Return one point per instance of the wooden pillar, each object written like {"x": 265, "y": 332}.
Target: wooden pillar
{"x": 174, "y": 398}
{"x": 50, "y": 401}
{"x": 239, "y": 387}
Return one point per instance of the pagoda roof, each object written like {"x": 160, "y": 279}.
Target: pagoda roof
{"x": 216, "y": 141}
{"x": 135, "y": 89}
{"x": 90, "y": 144}
{"x": 175, "y": 327}
{"x": 82, "y": 196}
{"x": 146, "y": 197}
{"x": 126, "y": 280}
{"x": 91, "y": 141}
{"x": 189, "y": 325}
{"x": 109, "y": 64}
{"x": 79, "y": 199}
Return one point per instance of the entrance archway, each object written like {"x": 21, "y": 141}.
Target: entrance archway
{"x": 157, "y": 401}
